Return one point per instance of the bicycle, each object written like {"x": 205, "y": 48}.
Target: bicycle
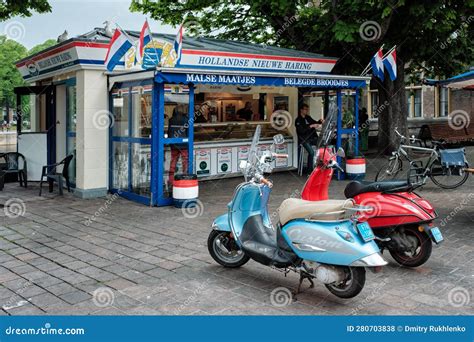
{"x": 447, "y": 168}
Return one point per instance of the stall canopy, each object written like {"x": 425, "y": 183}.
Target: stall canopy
{"x": 461, "y": 81}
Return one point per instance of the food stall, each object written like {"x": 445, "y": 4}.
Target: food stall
{"x": 117, "y": 123}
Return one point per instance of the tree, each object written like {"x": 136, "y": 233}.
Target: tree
{"x": 9, "y": 75}
{"x": 40, "y": 47}
{"x": 23, "y": 8}
{"x": 432, "y": 37}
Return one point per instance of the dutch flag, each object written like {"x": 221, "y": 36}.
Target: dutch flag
{"x": 118, "y": 47}
{"x": 377, "y": 64}
{"x": 390, "y": 63}
{"x": 145, "y": 38}
{"x": 178, "y": 44}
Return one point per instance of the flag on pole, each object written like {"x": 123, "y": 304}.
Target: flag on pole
{"x": 118, "y": 47}
{"x": 145, "y": 38}
{"x": 390, "y": 63}
{"x": 377, "y": 64}
{"x": 178, "y": 44}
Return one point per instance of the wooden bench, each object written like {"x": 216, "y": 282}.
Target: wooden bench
{"x": 444, "y": 132}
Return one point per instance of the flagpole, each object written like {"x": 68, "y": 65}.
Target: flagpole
{"x": 368, "y": 67}
{"x": 125, "y": 33}
{"x": 394, "y": 47}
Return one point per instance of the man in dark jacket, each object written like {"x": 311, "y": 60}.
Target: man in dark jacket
{"x": 306, "y": 131}
{"x": 178, "y": 128}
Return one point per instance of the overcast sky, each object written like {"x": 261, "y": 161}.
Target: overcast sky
{"x": 77, "y": 17}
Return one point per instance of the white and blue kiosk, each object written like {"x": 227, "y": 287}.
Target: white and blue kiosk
{"x": 72, "y": 96}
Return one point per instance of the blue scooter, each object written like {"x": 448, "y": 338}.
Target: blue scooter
{"x": 319, "y": 240}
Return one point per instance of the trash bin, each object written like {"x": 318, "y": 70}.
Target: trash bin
{"x": 185, "y": 190}
{"x": 355, "y": 168}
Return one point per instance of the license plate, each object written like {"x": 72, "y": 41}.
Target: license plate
{"x": 365, "y": 231}
{"x": 436, "y": 234}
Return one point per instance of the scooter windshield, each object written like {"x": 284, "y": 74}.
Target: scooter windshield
{"x": 254, "y": 147}
{"x": 329, "y": 126}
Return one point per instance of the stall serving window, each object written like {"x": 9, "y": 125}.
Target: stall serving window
{"x": 233, "y": 112}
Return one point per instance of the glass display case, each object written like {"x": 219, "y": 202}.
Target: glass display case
{"x": 210, "y": 132}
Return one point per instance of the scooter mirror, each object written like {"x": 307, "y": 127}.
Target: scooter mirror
{"x": 278, "y": 139}
{"x": 340, "y": 152}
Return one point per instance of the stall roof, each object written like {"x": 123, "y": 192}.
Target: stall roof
{"x": 88, "y": 51}
{"x": 212, "y": 44}
{"x": 461, "y": 81}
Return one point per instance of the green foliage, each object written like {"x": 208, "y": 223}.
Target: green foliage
{"x": 9, "y": 75}
{"x": 431, "y": 36}
{"x": 11, "y": 8}
{"x": 48, "y": 43}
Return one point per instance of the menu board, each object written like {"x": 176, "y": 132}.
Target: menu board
{"x": 242, "y": 153}
{"x": 224, "y": 160}
{"x": 203, "y": 162}
{"x": 281, "y": 149}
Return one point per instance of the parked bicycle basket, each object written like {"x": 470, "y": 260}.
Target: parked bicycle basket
{"x": 453, "y": 159}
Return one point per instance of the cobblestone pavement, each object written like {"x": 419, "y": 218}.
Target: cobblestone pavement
{"x": 138, "y": 260}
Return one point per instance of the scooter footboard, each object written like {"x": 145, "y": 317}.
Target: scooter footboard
{"x": 337, "y": 243}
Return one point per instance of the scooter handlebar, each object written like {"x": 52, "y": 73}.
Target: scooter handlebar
{"x": 265, "y": 181}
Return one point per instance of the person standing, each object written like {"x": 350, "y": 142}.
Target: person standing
{"x": 246, "y": 113}
{"x": 307, "y": 135}
{"x": 178, "y": 128}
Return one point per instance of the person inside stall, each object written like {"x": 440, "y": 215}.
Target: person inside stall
{"x": 307, "y": 135}
{"x": 201, "y": 113}
{"x": 246, "y": 113}
{"x": 178, "y": 128}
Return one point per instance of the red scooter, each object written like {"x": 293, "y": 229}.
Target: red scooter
{"x": 402, "y": 221}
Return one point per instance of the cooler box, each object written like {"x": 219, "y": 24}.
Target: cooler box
{"x": 355, "y": 168}
{"x": 185, "y": 190}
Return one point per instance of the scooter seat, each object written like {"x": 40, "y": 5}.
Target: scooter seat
{"x": 355, "y": 188}
{"x": 295, "y": 208}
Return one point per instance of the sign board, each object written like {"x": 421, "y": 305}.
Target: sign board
{"x": 281, "y": 149}
{"x": 224, "y": 160}
{"x": 203, "y": 162}
{"x": 242, "y": 153}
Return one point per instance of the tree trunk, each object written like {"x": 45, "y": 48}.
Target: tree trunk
{"x": 392, "y": 110}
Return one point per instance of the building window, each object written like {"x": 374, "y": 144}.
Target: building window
{"x": 414, "y": 103}
{"x": 409, "y": 103}
{"x": 374, "y": 99}
{"x": 443, "y": 102}
{"x": 417, "y": 113}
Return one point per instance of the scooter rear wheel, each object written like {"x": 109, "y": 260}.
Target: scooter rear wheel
{"x": 351, "y": 287}
{"x": 420, "y": 255}
{"x": 224, "y": 250}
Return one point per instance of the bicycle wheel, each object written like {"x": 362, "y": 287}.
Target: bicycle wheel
{"x": 445, "y": 178}
{"x": 390, "y": 170}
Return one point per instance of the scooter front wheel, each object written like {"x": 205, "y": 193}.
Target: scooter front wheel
{"x": 351, "y": 286}
{"x": 224, "y": 250}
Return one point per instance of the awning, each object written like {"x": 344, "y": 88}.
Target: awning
{"x": 260, "y": 79}
{"x": 462, "y": 81}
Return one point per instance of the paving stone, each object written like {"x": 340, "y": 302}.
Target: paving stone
{"x": 61, "y": 288}
{"x": 75, "y": 297}
{"x": 119, "y": 284}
